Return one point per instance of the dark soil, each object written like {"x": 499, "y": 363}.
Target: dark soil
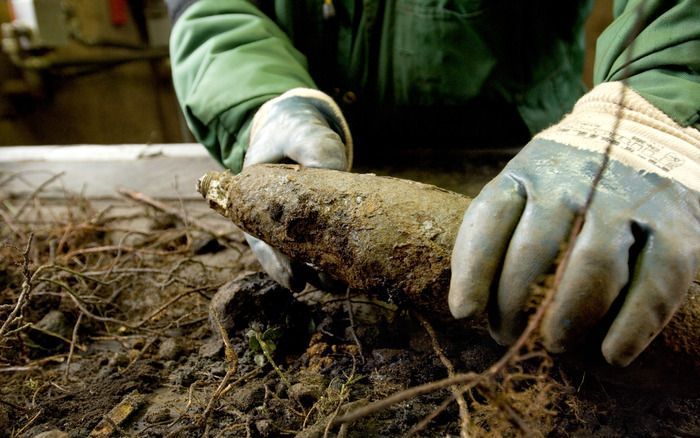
{"x": 153, "y": 354}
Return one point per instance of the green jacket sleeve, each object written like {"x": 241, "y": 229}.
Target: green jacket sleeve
{"x": 228, "y": 58}
{"x": 663, "y": 61}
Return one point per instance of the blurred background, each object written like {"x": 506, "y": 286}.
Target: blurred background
{"x": 97, "y": 72}
{"x": 86, "y": 71}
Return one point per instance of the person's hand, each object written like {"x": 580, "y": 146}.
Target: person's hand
{"x": 306, "y": 127}
{"x": 638, "y": 250}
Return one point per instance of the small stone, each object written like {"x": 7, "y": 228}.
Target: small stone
{"x": 308, "y": 389}
{"x": 55, "y": 322}
{"x": 184, "y": 376}
{"x": 250, "y": 296}
{"x": 218, "y": 369}
{"x": 264, "y": 427}
{"x": 170, "y": 349}
{"x": 249, "y": 396}
{"x": 206, "y": 245}
{"x": 212, "y": 347}
{"x": 314, "y": 431}
{"x": 120, "y": 359}
{"x": 305, "y": 393}
{"x": 158, "y": 415}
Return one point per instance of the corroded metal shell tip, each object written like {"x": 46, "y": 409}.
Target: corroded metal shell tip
{"x": 214, "y": 186}
{"x": 204, "y": 183}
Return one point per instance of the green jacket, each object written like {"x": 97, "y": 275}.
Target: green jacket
{"x": 431, "y": 63}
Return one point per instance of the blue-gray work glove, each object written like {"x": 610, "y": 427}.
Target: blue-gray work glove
{"x": 306, "y": 127}
{"x": 639, "y": 248}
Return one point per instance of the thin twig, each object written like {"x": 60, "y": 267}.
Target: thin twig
{"x": 12, "y": 405}
{"x": 243, "y": 378}
{"x": 10, "y": 224}
{"x": 231, "y": 360}
{"x": 344, "y": 393}
{"x": 456, "y": 392}
{"x": 77, "y": 301}
{"x": 190, "y": 390}
{"x": 34, "y": 194}
{"x": 29, "y": 423}
{"x": 139, "y": 355}
{"x": 26, "y": 287}
{"x": 145, "y": 199}
{"x": 468, "y": 379}
{"x": 430, "y": 417}
{"x": 74, "y": 340}
{"x": 267, "y": 352}
{"x": 351, "y": 317}
{"x": 110, "y": 248}
{"x": 172, "y": 301}
{"x": 52, "y": 334}
{"x": 35, "y": 365}
{"x": 510, "y": 412}
{"x": 215, "y": 396}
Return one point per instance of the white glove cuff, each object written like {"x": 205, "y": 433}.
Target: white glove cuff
{"x": 324, "y": 103}
{"x": 645, "y": 138}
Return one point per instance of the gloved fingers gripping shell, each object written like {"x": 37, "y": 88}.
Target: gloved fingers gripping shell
{"x": 306, "y": 127}
{"x": 597, "y": 272}
{"x": 289, "y": 273}
{"x": 303, "y": 126}
{"x": 476, "y": 257}
{"x": 659, "y": 281}
{"x": 537, "y": 238}
{"x": 278, "y": 266}
{"x": 639, "y": 247}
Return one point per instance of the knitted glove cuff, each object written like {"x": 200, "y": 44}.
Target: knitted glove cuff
{"x": 642, "y": 136}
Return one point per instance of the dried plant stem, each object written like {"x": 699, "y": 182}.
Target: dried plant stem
{"x": 240, "y": 380}
{"x": 12, "y": 405}
{"x": 510, "y": 413}
{"x": 49, "y": 333}
{"x": 147, "y": 200}
{"x": 10, "y": 224}
{"x": 456, "y": 391}
{"x": 190, "y": 396}
{"x": 119, "y": 249}
{"x": 344, "y": 393}
{"x": 468, "y": 379}
{"x": 74, "y": 340}
{"x": 268, "y": 355}
{"x": 26, "y": 288}
{"x": 139, "y": 355}
{"x": 351, "y": 317}
{"x": 173, "y": 300}
{"x": 29, "y": 423}
{"x": 79, "y": 304}
{"x": 27, "y": 202}
{"x": 430, "y": 417}
{"x": 232, "y": 360}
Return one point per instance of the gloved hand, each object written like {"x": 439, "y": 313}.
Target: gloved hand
{"x": 639, "y": 247}
{"x": 303, "y": 126}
